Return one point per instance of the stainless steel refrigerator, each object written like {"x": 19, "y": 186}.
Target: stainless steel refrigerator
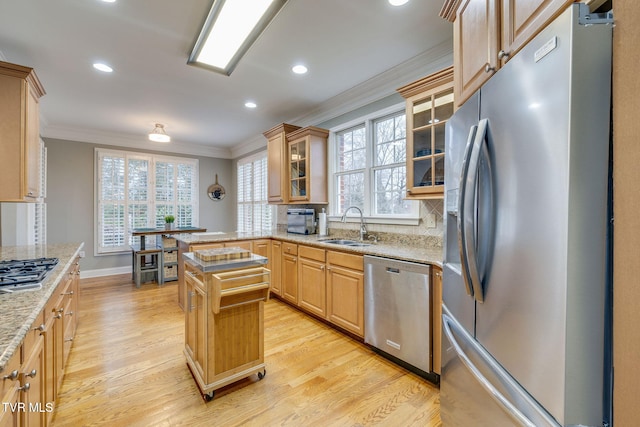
{"x": 526, "y": 271}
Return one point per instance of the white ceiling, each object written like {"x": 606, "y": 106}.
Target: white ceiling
{"x": 357, "y": 51}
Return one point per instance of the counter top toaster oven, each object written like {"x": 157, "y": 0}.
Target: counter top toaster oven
{"x": 301, "y": 221}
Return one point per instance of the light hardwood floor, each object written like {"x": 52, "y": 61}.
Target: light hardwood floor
{"x": 127, "y": 368}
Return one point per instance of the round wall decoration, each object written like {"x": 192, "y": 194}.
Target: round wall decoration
{"x": 216, "y": 191}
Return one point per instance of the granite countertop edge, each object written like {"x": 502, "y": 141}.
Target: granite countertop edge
{"x": 13, "y": 332}
{"x": 423, "y": 255}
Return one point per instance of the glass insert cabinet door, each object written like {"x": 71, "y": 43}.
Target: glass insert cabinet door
{"x": 298, "y": 169}
{"x": 429, "y": 104}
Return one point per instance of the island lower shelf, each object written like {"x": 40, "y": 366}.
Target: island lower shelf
{"x": 224, "y": 324}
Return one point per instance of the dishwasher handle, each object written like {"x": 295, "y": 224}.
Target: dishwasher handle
{"x": 393, "y": 270}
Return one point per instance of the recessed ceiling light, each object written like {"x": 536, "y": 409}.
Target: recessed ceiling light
{"x": 109, "y": 1}
{"x": 102, "y": 67}
{"x": 397, "y": 2}
{"x": 250, "y": 104}
{"x": 299, "y": 69}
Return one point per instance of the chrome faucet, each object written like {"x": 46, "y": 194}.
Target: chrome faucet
{"x": 363, "y": 229}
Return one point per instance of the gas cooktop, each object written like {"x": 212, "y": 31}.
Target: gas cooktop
{"x": 25, "y": 274}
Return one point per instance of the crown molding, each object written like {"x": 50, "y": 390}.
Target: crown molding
{"x": 132, "y": 141}
{"x": 372, "y": 90}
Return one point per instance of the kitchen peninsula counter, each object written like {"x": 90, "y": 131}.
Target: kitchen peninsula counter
{"x": 20, "y": 309}
{"x": 400, "y": 250}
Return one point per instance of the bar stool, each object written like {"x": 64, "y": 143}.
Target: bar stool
{"x": 147, "y": 260}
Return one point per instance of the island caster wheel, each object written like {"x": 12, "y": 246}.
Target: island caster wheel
{"x": 208, "y": 397}
{"x": 262, "y": 374}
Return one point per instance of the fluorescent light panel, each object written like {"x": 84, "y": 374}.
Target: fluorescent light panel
{"x": 229, "y": 31}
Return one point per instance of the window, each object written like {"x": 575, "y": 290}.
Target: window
{"x": 254, "y": 213}
{"x": 369, "y": 168}
{"x": 137, "y": 190}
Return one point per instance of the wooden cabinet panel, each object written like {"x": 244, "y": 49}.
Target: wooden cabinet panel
{"x": 277, "y": 178}
{"x": 345, "y": 302}
{"x": 195, "y": 324}
{"x": 276, "y": 267}
{"x": 32, "y": 373}
{"x": 10, "y": 392}
{"x": 20, "y": 149}
{"x": 312, "y": 286}
{"x": 475, "y": 39}
{"x": 523, "y": 19}
{"x": 290, "y": 278}
{"x": 487, "y": 33}
{"x": 245, "y": 244}
{"x": 436, "y": 348}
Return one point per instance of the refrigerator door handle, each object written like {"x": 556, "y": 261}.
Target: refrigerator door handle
{"x": 462, "y": 238}
{"x": 447, "y": 325}
{"x": 468, "y": 204}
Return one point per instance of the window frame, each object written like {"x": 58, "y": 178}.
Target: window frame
{"x": 151, "y": 191}
{"x": 368, "y": 120}
{"x": 261, "y": 155}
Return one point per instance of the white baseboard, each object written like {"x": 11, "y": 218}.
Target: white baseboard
{"x": 86, "y": 274}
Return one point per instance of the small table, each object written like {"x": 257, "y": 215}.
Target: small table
{"x": 143, "y": 232}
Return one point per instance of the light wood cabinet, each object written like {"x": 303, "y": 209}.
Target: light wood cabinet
{"x": 195, "y": 322}
{"x": 307, "y": 165}
{"x": 345, "y": 291}
{"x": 429, "y": 104}
{"x": 33, "y": 376}
{"x": 436, "y": 300}
{"x": 276, "y": 267}
{"x": 277, "y": 177}
{"x": 312, "y": 280}
{"x": 290, "y": 272}
{"x": 20, "y": 147}
{"x": 487, "y": 33}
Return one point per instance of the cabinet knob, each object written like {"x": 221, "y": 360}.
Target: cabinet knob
{"x": 69, "y": 340}
{"x": 31, "y": 374}
{"x": 25, "y": 387}
{"x": 70, "y": 313}
{"x": 40, "y": 328}
{"x": 12, "y": 376}
{"x": 67, "y": 293}
{"x": 503, "y": 54}
{"x": 488, "y": 68}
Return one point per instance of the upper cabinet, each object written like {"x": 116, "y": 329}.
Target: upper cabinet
{"x": 486, "y": 33}
{"x": 307, "y": 165}
{"x": 20, "y": 150}
{"x": 429, "y": 104}
{"x": 276, "y": 162}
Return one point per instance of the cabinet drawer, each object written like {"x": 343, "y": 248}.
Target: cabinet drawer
{"x": 6, "y": 384}
{"x": 312, "y": 253}
{"x": 36, "y": 329}
{"x": 289, "y": 248}
{"x": 354, "y": 262}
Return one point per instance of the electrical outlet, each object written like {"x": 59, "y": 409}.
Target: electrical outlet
{"x": 431, "y": 220}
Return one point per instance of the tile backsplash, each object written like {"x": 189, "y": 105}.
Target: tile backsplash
{"x": 410, "y": 234}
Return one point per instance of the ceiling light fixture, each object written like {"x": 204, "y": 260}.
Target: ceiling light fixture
{"x": 109, "y": 1}
{"x": 102, "y": 67}
{"x": 158, "y": 134}
{"x": 229, "y": 31}
{"x": 299, "y": 69}
{"x": 250, "y": 104}
{"x": 398, "y": 2}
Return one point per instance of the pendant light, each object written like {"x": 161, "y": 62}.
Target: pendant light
{"x": 158, "y": 134}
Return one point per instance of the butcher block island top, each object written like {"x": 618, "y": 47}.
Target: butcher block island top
{"x": 20, "y": 309}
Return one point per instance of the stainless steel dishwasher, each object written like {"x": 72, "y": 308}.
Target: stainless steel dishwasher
{"x": 397, "y": 310}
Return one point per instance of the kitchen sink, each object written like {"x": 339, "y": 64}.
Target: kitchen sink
{"x": 344, "y": 242}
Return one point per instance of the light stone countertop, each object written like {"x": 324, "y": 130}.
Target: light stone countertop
{"x": 404, "y": 251}
{"x": 19, "y": 310}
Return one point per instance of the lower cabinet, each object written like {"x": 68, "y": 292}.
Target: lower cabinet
{"x": 345, "y": 290}
{"x": 33, "y": 376}
{"x": 195, "y": 326}
{"x": 275, "y": 261}
{"x": 290, "y": 272}
{"x": 312, "y": 280}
